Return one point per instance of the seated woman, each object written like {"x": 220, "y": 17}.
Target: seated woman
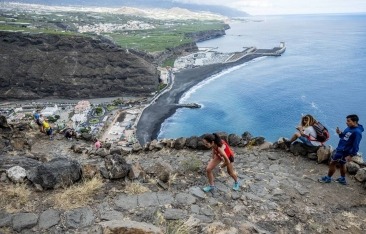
{"x": 305, "y": 132}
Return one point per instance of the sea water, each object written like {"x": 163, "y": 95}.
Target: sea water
{"x": 322, "y": 73}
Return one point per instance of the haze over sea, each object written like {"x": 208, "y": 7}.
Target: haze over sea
{"x": 321, "y": 73}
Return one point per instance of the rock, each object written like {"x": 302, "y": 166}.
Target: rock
{"x": 298, "y": 148}
{"x": 257, "y": 141}
{"x": 116, "y": 166}
{"x": 116, "y": 150}
{"x": 352, "y": 168}
{"x": 136, "y": 147}
{"x": 16, "y": 174}
{"x": 163, "y": 171}
{"x": 107, "y": 145}
{"x": 7, "y": 162}
{"x": 192, "y": 142}
{"x": 165, "y": 198}
{"x": 78, "y": 149}
{"x": 361, "y": 175}
{"x": 234, "y": 140}
{"x": 136, "y": 172}
{"x": 48, "y": 218}
{"x": 273, "y": 156}
{"x": 175, "y": 214}
{"x": 128, "y": 226}
{"x": 147, "y": 199}
{"x": 185, "y": 199}
{"x": 246, "y": 136}
{"x": 23, "y": 221}
{"x": 155, "y": 145}
{"x": 324, "y": 153}
{"x": 312, "y": 156}
{"x": 265, "y": 146}
{"x": 358, "y": 159}
{"x": 4, "y": 124}
{"x": 58, "y": 172}
{"x": 197, "y": 191}
{"x": 101, "y": 152}
{"x": 89, "y": 171}
{"x": 179, "y": 143}
{"x": 79, "y": 218}
{"x": 125, "y": 202}
{"x": 87, "y": 136}
{"x": 5, "y": 219}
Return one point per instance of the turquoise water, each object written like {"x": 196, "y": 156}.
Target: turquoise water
{"x": 321, "y": 73}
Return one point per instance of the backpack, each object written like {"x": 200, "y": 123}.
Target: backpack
{"x": 322, "y": 133}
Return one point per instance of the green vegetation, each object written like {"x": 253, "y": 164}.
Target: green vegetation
{"x": 94, "y": 121}
{"x": 169, "y": 62}
{"x": 111, "y": 107}
{"x": 85, "y": 130}
{"x": 161, "y": 86}
{"x": 98, "y": 110}
{"x": 150, "y": 42}
{"x": 158, "y": 35}
{"x": 191, "y": 164}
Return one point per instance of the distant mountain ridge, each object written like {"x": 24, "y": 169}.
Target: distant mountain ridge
{"x": 166, "y": 4}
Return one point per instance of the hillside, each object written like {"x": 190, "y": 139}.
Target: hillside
{"x": 40, "y": 65}
{"x": 157, "y": 189}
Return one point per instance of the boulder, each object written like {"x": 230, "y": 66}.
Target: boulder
{"x": 56, "y": 173}
{"x": 163, "y": 171}
{"x": 155, "y": 145}
{"x": 358, "y": 159}
{"x": 352, "y": 168}
{"x": 136, "y": 172}
{"x": 101, "y": 152}
{"x": 4, "y": 126}
{"x": 298, "y": 148}
{"x": 136, "y": 147}
{"x": 116, "y": 166}
{"x": 361, "y": 175}
{"x": 247, "y": 137}
{"x": 324, "y": 153}
{"x": 7, "y": 162}
{"x": 179, "y": 143}
{"x": 257, "y": 141}
{"x": 116, "y": 150}
{"x": 23, "y": 221}
{"x": 234, "y": 140}
{"x": 192, "y": 142}
{"x": 16, "y": 174}
{"x": 87, "y": 136}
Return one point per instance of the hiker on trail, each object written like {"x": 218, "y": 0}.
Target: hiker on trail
{"x": 37, "y": 119}
{"x": 348, "y": 146}
{"x": 47, "y": 128}
{"x": 97, "y": 144}
{"x": 69, "y": 133}
{"x": 221, "y": 152}
{"x": 305, "y": 132}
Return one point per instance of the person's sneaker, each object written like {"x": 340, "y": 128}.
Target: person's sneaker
{"x": 325, "y": 179}
{"x": 236, "y": 186}
{"x": 208, "y": 188}
{"x": 341, "y": 180}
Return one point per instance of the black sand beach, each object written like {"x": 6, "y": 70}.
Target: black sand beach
{"x": 154, "y": 115}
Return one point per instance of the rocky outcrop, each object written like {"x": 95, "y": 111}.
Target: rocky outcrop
{"x": 59, "y": 172}
{"x": 44, "y": 65}
{"x": 207, "y": 35}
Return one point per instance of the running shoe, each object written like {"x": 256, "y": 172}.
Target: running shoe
{"x": 236, "y": 186}
{"x": 208, "y": 188}
{"x": 325, "y": 179}
{"x": 341, "y": 180}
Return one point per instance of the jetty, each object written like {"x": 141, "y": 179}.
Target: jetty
{"x": 189, "y": 105}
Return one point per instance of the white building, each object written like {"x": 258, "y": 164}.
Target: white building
{"x": 82, "y": 107}
{"x": 49, "y": 111}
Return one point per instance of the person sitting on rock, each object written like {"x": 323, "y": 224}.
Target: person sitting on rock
{"x": 38, "y": 120}
{"x": 47, "y": 128}
{"x": 305, "y": 132}
{"x": 220, "y": 152}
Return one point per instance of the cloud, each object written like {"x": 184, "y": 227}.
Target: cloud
{"x": 263, "y": 7}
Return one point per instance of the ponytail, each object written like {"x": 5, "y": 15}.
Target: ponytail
{"x": 213, "y": 138}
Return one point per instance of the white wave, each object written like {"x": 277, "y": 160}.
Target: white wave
{"x": 210, "y": 79}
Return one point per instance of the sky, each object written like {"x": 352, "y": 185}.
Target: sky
{"x": 274, "y": 7}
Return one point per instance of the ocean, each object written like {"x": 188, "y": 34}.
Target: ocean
{"x": 322, "y": 73}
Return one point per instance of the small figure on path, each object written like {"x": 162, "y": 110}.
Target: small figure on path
{"x": 348, "y": 146}
{"x": 97, "y": 144}
{"x": 69, "y": 133}
{"x": 47, "y": 128}
{"x": 305, "y": 132}
{"x": 38, "y": 120}
{"x": 220, "y": 152}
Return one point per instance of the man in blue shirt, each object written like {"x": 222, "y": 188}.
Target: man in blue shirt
{"x": 347, "y": 148}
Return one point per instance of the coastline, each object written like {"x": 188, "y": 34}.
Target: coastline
{"x": 164, "y": 106}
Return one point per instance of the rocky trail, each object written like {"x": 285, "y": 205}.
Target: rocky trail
{"x": 162, "y": 193}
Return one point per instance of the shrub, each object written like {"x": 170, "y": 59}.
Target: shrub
{"x": 191, "y": 164}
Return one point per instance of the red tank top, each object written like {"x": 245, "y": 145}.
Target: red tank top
{"x": 227, "y": 149}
